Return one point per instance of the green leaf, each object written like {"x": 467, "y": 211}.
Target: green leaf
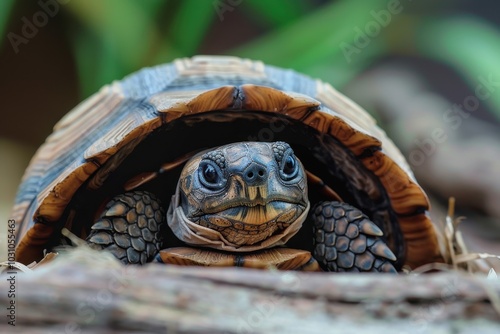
{"x": 5, "y": 9}
{"x": 152, "y": 7}
{"x": 470, "y": 45}
{"x": 190, "y": 24}
{"x": 97, "y": 60}
{"x": 131, "y": 26}
{"x": 121, "y": 35}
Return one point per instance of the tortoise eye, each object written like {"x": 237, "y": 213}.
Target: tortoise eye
{"x": 210, "y": 175}
{"x": 290, "y": 167}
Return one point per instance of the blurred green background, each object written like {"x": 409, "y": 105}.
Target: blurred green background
{"x": 407, "y": 62}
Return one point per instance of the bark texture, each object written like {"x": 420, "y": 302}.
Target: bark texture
{"x": 88, "y": 292}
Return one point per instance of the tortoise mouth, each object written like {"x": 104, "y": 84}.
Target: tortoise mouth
{"x": 247, "y": 225}
{"x": 252, "y": 204}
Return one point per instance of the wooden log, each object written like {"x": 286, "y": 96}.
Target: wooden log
{"x": 88, "y": 292}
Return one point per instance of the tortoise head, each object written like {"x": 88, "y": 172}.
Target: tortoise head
{"x": 242, "y": 196}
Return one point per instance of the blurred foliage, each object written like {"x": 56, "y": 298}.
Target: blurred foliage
{"x": 113, "y": 38}
{"x": 469, "y": 44}
{"x": 5, "y": 8}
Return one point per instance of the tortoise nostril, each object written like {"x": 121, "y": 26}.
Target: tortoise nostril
{"x": 255, "y": 174}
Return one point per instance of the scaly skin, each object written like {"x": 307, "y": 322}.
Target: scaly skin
{"x": 130, "y": 227}
{"x": 346, "y": 240}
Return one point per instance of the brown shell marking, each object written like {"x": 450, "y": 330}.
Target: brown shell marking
{"x": 32, "y": 245}
{"x": 360, "y": 120}
{"x": 421, "y": 241}
{"x": 306, "y": 109}
{"x": 279, "y": 258}
{"x": 406, "y": 196}
{"x": 62, "y": 190}
{"x": 172, "y": 106}
{"x": 272, "y": 100}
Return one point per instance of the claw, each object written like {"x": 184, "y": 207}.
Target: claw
{"x": 353, "y": 245}
{"x": 118, "y": 209}
{"x": 388, "y": 268}
{"x": 102, "y": 224}
{"x": 380, "y": 248}
{"x": 367, "y": 227}
{"x": 101, "y": 238}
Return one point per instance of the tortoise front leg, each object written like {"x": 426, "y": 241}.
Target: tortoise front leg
{"x": 129, "y": 227}
{"x": 346, "y": 240}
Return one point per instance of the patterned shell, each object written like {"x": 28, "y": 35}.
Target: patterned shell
{"x": 206, "y": 101}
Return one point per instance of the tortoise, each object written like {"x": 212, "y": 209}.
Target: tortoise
{"x": 222, "y": 161}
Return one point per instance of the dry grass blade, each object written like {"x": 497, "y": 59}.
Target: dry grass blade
{"x": 458, "y": 258}
{"x": 463, "y": 258}
{"x": 493, "y": 295}
{"x": 492, "y": 274}
{"x": 74, "y": 239}
{"x": 454, "y": 250}
{"x": 8, "y": 265}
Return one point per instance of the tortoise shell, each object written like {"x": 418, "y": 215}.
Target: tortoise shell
{"x": 162, "y": 113}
